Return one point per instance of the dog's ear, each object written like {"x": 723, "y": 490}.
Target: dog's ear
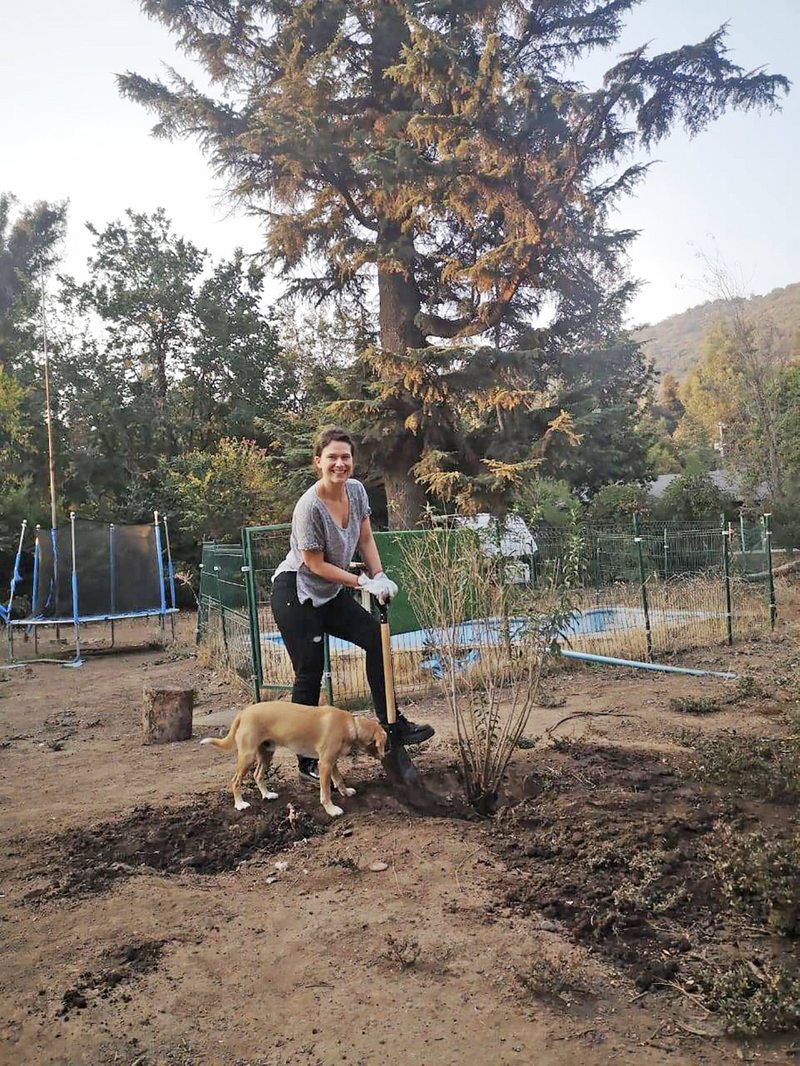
{"x": 379, "y": 742}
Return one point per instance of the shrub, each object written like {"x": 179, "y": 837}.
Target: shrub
{"x": 216, "y": 493}
{"x": 755, "y": 997}
{"x": 761, "y": 875}
{"x": 691, "y": 498}
{"x": 761, "y": 766}
{"x": 615, "y": 504}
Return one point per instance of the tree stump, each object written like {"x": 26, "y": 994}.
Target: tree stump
{"x": 166, "y": 714}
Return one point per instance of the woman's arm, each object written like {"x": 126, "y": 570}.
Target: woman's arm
{"x": 368, "y": 549}
{"x": 315, "y": 561}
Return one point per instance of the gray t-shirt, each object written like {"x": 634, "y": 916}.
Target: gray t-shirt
{"x": 315, "y": 529}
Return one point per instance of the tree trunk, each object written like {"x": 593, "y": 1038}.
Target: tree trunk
{"x": 399, "y": 304}
{"x": 405, "y": 498}
{"x": 166, "y": 714}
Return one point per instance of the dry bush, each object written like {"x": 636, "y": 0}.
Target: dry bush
{"x": 766, "y": 767}
{"x": 554, "y": 976}
{"x": 760, "y": 875}
{"x": 755, "y": 997}
{"x": 402, "y": 951}
{"x": 491, "y": 679}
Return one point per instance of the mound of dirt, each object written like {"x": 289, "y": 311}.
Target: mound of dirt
{"x": 205, "y": 836}
{"x": 614, "y": 846}
{"x": 121, "y": 965}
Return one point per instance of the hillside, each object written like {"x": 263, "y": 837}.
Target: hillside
{"x": 675, "y": 344}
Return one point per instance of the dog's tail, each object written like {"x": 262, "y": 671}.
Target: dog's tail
{"x": 224, "y": 743}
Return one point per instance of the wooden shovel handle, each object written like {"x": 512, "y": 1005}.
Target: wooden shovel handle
{"x": 388, "y": 671}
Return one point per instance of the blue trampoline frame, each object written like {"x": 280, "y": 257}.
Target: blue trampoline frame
{"x": 76, "y": 619}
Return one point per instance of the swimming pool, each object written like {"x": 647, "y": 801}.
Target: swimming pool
{"x": 485, "y": 631}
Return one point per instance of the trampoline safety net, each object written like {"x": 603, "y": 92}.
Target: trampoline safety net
{"x": 118, "y": 571}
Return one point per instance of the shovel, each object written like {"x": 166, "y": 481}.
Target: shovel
{"x": 396, "y": 762}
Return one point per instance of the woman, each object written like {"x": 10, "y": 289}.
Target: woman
{"x": 310, "y": 591}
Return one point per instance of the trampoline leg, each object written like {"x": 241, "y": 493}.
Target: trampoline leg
{"x": 35, "y": 640}
{"x": 163, "y": 621}
{"x": 112, "y": 632}
{"x": 172, "y": 626}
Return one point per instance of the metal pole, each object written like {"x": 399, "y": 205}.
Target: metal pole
{"x": 112, "y": 578}
{"x": 643, "y": 586}
{"x": 741, "y": 533}
{"x": 75, "y": 611}
{"x": 252, "y": 605}
{"x": 49, "y": 412}
{"x": 35, "y": 592}
{"x": 161, "y": 588}
{"x": 666, "y": 554}
{"x": 726, "y": 564}
{"x": 773, "y": 606}
{"x": 326, "y": 669}
{"x": 15, "y": 575}
{"x": 170, "y": 574}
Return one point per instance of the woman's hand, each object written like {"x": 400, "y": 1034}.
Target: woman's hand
{"x": 381, "y": 587}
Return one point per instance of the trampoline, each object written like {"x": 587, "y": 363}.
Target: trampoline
{"x": 94, "y": 572}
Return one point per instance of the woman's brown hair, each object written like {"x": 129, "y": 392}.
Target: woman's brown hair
{"x": 330, "y": 434}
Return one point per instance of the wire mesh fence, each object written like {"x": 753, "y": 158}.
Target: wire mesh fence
{"x": 641, "y": 595}
{"x": 225, "y": 631}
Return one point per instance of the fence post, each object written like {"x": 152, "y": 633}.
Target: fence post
{"x": 726, "y": 567}
{"x": 643, "y": 586}
{"x": 773, "y": 606}
{"x": 326, "y": 668}
{"x": 252, "y": 610}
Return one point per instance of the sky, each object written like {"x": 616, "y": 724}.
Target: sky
{"x": 729, "y": 194}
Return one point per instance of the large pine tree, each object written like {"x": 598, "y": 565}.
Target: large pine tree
{"x": 440, "y": 147}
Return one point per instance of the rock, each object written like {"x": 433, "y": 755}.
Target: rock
{"x": 378, "y": 867}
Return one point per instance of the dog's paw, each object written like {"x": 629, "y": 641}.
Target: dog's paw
{"x": 241, "y": 805}
{"x": 269, "y": 795}
{"x": 334, "y": 811}
{"x": 349, "y": 792}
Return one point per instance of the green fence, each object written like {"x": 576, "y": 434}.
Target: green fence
{"x": 225, "y": 630}
{"x": 643, "y": 593}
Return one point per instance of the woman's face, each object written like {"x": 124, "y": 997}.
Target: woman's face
{"x": 335, "y": 464}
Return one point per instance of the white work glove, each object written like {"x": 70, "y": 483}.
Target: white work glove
{"x": 381, "y": 587}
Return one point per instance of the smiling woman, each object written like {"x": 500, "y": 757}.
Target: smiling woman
{"x": 309, "y": 593}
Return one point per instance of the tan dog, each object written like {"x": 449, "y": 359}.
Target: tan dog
{"x": 323, "y": 733}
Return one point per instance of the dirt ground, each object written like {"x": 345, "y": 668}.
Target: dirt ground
{"x": 145, "y": 921}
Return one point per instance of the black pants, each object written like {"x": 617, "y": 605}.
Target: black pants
{"x": 302, "y": 627}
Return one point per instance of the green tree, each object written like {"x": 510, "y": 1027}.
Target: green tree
{"x": 731, "y": 399}
{"x": 441, "y": 150}
{"x": 141, "y": 286}
{"x": 233, "y": 372}
{"x": 29, "y": 244}
{"x": 217, "y": 492}
{"x": 614, "y": 505}
{"x": 691, "y": 498}
{"x": 787, "y": 396}
{"x": 183, "y": 357}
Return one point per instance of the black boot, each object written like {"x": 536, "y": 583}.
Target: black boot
{"x": 410, "y": 733}
{"x": 308, "y": 770}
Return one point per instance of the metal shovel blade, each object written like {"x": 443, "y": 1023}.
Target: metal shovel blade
{"x": 396, "y": 762}
{"x": 398, "y": 765}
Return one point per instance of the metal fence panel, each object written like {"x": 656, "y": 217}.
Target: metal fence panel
{"x": 644, "y": 593}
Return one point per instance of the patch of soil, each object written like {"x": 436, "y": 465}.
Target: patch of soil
{"x": 614, "y": 844}
{"x": 205, "y": 836}
{"x": 121, "y": 965}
